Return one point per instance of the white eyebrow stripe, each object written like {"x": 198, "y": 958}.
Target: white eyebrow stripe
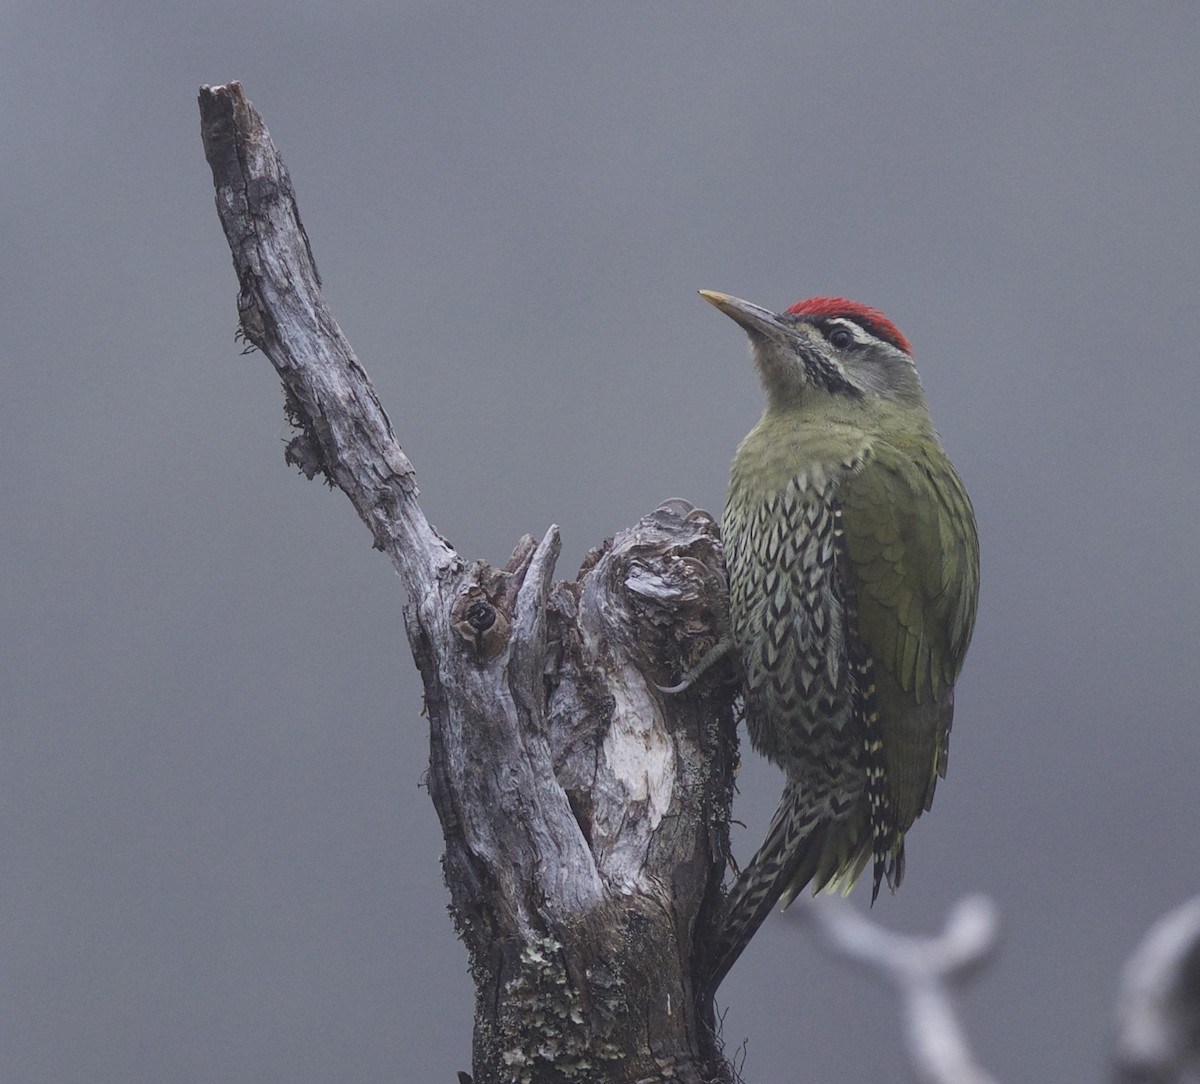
{"x": 861, "y": 335}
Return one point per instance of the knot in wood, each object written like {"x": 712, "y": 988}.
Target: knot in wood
{"x": 480, "y": 623}
{"x": 481, "y": 616}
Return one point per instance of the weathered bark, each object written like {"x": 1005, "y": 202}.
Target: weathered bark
{"x": 585, "y": 814}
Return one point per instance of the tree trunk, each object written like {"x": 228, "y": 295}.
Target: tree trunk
{"x": 585, "y": 812}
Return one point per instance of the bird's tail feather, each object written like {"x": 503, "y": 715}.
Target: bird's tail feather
{"x": 812, "y": 839}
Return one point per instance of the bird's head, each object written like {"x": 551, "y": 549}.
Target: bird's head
{"x": 827, "y": 347}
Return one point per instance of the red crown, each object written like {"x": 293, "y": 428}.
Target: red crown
{"x": 872, "y": 319}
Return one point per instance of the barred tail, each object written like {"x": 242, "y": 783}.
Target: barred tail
{"x": 810, "y": 840}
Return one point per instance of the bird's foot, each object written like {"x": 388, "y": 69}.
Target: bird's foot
{"x": 693, "y": 674}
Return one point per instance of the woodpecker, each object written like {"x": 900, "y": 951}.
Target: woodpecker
{"x": 853, "y": 578}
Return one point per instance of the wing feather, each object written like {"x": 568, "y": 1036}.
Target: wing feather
{"x": 913, "y": 563}
{"x": 913, "y": 554}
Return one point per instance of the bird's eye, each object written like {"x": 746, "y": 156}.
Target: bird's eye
{"x": 840, "y": 338}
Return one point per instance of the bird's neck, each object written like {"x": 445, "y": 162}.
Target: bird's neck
{"x": 818, "y": 441}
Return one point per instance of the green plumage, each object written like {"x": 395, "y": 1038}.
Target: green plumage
{"x": 854, "y": 570}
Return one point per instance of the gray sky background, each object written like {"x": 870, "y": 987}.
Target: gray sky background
{"x": 218, "y": 861}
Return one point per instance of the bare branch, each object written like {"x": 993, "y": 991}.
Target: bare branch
{"x": 585, "y": 817}
{"x": 1157, "y": 1037}
{"x": 924, "y": 970}
{"x": 345, "y": 432}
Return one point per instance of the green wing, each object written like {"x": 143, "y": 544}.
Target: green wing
{"x": 913, "y": 564}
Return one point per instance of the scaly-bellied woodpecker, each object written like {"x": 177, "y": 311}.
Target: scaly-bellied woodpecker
{"x": 853, "y": 577}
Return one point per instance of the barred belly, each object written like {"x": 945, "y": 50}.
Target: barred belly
{"x": 789, "y": 619}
